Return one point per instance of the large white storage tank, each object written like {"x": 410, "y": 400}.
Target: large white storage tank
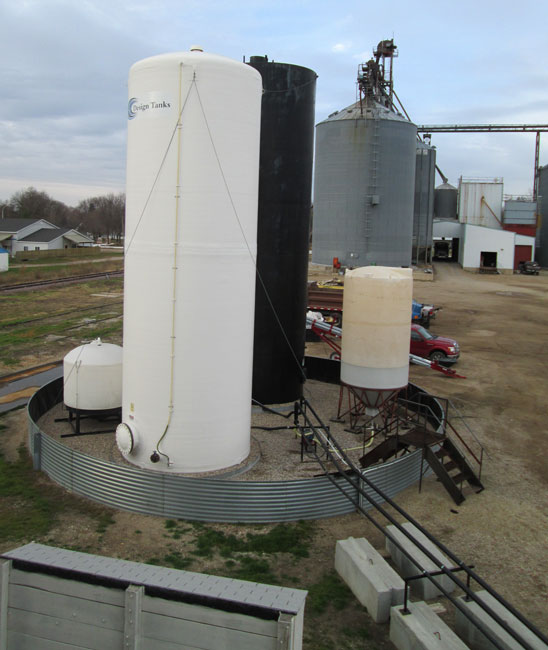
{"x": 191, "y": 221}
{"x": 376, "y": 330}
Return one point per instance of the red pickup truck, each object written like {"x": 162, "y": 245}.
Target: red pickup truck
{"x": 428, "y": 345}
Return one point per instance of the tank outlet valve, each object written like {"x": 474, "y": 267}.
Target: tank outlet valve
{"x": 126, "y": 438}
{"x": 154, "y": 457}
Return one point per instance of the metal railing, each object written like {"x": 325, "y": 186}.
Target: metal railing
{"x": 355, "y": 478}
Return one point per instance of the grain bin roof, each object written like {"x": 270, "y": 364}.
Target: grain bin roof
{"x": 364, "y": 111}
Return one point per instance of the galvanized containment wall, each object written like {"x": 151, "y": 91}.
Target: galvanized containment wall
{"x": 53, "y": 598}
{"x": 283, "y": 229}
{"x": 203, "y": 499}
{"x": 423, "y": 216}
{"x": 364, "y": 184}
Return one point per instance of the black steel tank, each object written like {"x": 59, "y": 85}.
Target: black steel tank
{"x": 285, "y": 188}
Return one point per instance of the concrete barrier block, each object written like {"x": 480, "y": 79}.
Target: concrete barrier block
{"x": 423, "y": 588}
{"x": 421, "y": 629}
{"x": 374, "y": 583}
{"x": 468, "y": 631}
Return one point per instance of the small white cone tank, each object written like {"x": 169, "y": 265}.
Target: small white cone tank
{"x": 376, "y": 330}
{"x": 92, "y": 377}
{"x": 190, "y": 244}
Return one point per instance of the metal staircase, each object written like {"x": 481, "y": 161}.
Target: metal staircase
{"x": 444, "y": 449}
{"x": 452, "y": 469}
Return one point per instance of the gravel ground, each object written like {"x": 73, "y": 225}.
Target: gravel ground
{"x": 275, "y": 454}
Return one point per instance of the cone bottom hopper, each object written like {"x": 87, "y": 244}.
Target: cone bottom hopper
{"x": 375, "y": 342}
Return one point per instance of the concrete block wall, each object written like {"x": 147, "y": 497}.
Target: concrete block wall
{"x": 423, "y": 588}
{"x": 421, "y": 629}
{"x": 476, "y": 640}
{"x": 374, "y": 583}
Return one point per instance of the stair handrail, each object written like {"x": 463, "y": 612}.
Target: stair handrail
{"x": 470, "y": 430}
{"x": 447, "y": 423}
{"x": 301, "y": 408}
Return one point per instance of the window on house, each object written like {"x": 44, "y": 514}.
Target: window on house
{"x": 25, "y": 248}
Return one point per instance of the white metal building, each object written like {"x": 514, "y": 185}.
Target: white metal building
{"x": 477, "y": 247}
{"x": 480, "y": 202}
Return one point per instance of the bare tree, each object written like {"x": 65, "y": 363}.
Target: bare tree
{"x": 103, "y": 216}
{"x": 31, "y": 204}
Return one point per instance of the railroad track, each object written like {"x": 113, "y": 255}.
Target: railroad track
{"x": 25, "y": 286}
{"x": 29, "y": 372}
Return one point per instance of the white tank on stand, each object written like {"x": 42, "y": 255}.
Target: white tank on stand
{"x": 92, "y": 377}
{"x": 376, "y": 331}
{"x": 190, "y": 244}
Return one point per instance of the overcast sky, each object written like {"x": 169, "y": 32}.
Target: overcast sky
{"x": 64, "y": 68}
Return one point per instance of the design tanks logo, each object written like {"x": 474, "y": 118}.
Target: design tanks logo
{"x": 135, "y": 106}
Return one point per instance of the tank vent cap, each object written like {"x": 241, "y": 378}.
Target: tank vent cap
{"x": 196, "y": 48}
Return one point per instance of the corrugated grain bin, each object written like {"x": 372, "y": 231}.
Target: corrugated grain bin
{"x": 423, "y": 216}
{"x": 364, "y": 184}
{"x": 445, "y": 201}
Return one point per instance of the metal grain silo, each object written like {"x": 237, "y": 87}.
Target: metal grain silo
{"x": 425, "y": 171}
{"x": 283, "y": 229}
{"x": 190, "y": 243}
{"x": 364, "y": 185}
{"x": 445, "y": 201}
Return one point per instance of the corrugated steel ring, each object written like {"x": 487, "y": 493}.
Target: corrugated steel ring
{"x": 202, "y": 499}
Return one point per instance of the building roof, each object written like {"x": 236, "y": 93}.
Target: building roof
{"x": 15, "y": 225}
{"x": 50, "y": 234}
{"x": 45, "y": 234}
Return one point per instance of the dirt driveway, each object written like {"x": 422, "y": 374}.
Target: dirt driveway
{"x": 501, "y": 325}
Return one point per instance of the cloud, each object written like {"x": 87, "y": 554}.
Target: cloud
{"x": 65, "y": 68}
{"x": 342, "y": 47}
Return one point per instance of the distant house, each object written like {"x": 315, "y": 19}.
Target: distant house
{"x": 4, "y": 260}
{"x": 38, "y": 234}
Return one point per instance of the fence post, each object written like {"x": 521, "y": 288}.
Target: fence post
{"x": 36, "y": 448}
{"x": 5, "y": 567}
{"x": 133, "y": 617}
